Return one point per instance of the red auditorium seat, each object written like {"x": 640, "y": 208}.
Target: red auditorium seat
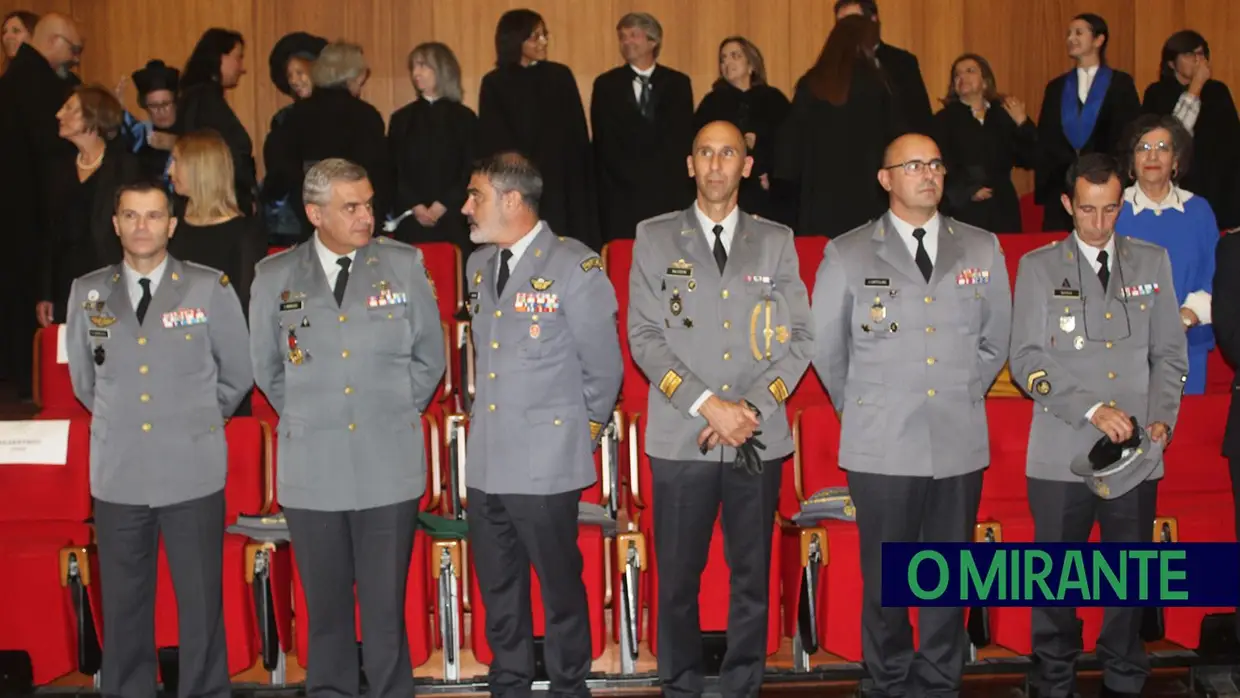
{"x": 713, "y": 597}
{"x": 1194, "y": 498}
{"x": 1031, "y": 214}
{"x": 617, "y": 260}
{"x": 443, "y": 262}
{"x": 1017, "y": 245}
{"x": 53, "y": 390}
{"x": 417, "y": 611}
{"x": 47, "y": 558}
{"x": 245, "y": 492}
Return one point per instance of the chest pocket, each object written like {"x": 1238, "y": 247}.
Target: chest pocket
{"x": 878, "y": 313}
{"x": 1065, "y": 324}
{"x": 969, "y": 299}
{"x": 189, "y": 346}
{"x": 680, "y": 298}
{"x": 536, "y": 322}
{"x": 389, "y": 325}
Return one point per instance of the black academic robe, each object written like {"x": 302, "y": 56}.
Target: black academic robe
{"x": 537, "y": 110}
{"x": 641, "y": 164}
{"x": 433, "y": 146}
{"x": 1216, "y": 144}
{"x": 907, "y": 86}
{"x": 982, "y": 155}
{"x": 1119, "y": 107}
{"x": 833, "y": 153}
{"x": 330, "y": 123}
{"x": 204, "y": 106}
{"x": 1225, "y": 313}
{"x": 31, "y": 93}
{"x": 760, "y": 110}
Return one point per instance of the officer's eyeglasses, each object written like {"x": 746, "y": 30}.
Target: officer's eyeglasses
{"x": 1080, "y": 283}
{"x": 916, "y": 167}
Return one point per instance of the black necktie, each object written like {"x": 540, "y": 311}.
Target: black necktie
{"x": 342, "y": 279}
{"x": 643, "y": 102}
{"x": 923, "y": 257}
{"x": 145, "y": 301}
{"x": 721, "y": 255}
{"x": 504, "y": 257}
{"x": 1104, "y": 271}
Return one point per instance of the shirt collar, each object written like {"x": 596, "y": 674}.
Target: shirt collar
{"x": 156, "y": 275}
{"x": 520, "y": 246}
{"x": 905, "y": 229}
{"x": 1090, "y": 252}
{"x": 1139, "y": 201}
{"x": 328, "y": 258}
{"x": 707, "y": 225}
{"x": 1089, "y": 72}
{"x": 644, "y": 73}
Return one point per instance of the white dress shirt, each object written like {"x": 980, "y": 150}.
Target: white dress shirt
{"x": 729, "y": 230}
{"x": 1199, "y": 301}
{"x": 518, "y": 248}
{"x": 327, "y": 259}
{"x": 1085, "y": 80}
{"x": 1090, "y": 253}
{"x": 637, "y": 84}
{"x": 132, "y": 277}
{"x": 930, "y": 240}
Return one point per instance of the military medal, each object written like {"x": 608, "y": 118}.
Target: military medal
{"x": 895, "y": 327}
{"x": 675, "y": 304}
{"x": 93, "y": 295}
{"x": 878, "y": 312}
{"x": 688, "y": 323}
{"x": 1067, "y": 323}
{"x": 100, "y": 355}
{"x": 535, "y": 330}
{"x": 692, "y": 284}
{"x": 1078, "y": 343}
{"x": 305, "y": 321}
{"x": 296, "y": 354}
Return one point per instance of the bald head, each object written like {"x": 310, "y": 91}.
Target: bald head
{"x": 913, "y": 174}
{"x": 58, "y": 38}
{"x": 718, "y": 162}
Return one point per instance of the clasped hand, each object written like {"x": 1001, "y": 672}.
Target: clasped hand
{"x": 729, "y": 423}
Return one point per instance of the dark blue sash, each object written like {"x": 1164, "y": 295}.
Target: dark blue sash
{"x": 1079, "y": 121}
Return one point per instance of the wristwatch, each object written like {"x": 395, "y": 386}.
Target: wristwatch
{"x": 1187, "y": 322}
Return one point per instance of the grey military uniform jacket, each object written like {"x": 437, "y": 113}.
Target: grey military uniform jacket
{"x": 1074, "y": 346}
{"x": 908, "y": 362}
{"x": 349, "y": 382}
{"x": 160, "y": 392}
{"x": 548, "y": 367}
{"x": 744, "y": 334}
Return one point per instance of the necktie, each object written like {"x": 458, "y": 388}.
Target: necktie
{"x": 504, "y": 257}
{"x": 342, "y": 279}
{"x": 643, "y": 102}
{"x": 721, "y": 255}
{"x": 145, "y": 301}
{"x": 1104, "y": 271}
{"x": 923, "y": 257}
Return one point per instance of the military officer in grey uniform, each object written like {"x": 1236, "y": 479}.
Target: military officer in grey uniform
{"x": 347, "y": 346}
{"x": 549, "y": 372}
{"x": 912, "y": 313}
{"x": 1097, "y": 341}
{"x": 719, "y": 322}
{"x": 157, "y": 352}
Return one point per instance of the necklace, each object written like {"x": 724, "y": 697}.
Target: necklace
{"x": 93, "y": 165}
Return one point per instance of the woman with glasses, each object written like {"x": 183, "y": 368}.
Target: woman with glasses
{"x": 1157, "y": 210}
{"x": 532, "y": 105}
{"x": 152, "y": 140}
{"x": 1187, "y": 91}
{"x": 983, "y": 135}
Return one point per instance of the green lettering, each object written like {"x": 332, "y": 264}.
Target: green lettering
{"x": 1143, "y": 577}
{"x": 971, "y": 578}
{"x": 916, "y": 587}
{"x": 1015, "y": 578}
{"x": 1102, "y": 568}
{"x": 1072, "y": 576}
{"x": 1167, "y": 574}
{"x": 1037, "y": 577}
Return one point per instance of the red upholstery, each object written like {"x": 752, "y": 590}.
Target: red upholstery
{"x": 53, "y": 389}
{"x": 417, "y": 612}
{"x": 1031, "y": 214}
{"x": 1016, "y": 246}
{"x": 42, "y": 510}
{"x": 245, "y": 492}
{"x": 715, "y": 589}
{"x": 1219, "y": 374}
{"x": 593, "y": 549}
{"x": 1196, "y": 492}
{"x": 617, "y": 260}
{"x": 443, "y": 262}
{"x": 809, "y": 256}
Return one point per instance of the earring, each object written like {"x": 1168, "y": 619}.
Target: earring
{"x": 1175, "y": 172}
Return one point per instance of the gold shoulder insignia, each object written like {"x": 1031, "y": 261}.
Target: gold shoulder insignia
{"x": 594, "y": 262}
{"x": 224, "y": 280}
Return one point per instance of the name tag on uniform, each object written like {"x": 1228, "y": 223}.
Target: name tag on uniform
{"x": 1140, "y": 290}
{"x": 680, "y": 268}
{"x": 875, "y": 283}
{"x": 291, "y": 305}
{"x": 536, "y": 302}
{"x": 387, "y": 298}
{"x": 973, "y": 276}
{"x": 1067, "y": 293}
{"x": 184, "y": 317}
{"x": 101, "y": 334}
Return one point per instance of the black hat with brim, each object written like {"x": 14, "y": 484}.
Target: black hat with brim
{"x": 295, "y": 45}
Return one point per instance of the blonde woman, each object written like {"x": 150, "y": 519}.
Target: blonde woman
{"x": 213, "y": 231}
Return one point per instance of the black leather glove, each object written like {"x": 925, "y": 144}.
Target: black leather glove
{"x": 747, "y": 457}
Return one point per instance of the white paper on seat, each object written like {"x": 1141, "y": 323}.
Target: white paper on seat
{"x": 62, "y": 355}
{"x": 34, "y": 442}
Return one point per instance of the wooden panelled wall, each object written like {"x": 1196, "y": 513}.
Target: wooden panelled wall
{"x": 1023, "y": 39}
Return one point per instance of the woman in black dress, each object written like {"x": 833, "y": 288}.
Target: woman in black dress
{"x": 742, "y": 96}
{"x": 532, "y": 105}
{"x": 290, "y": 63}
{"x": 80, "y": 191}
{"x": 433, "y": 141}
{"x": 217, "y": 64}
{"x": 15, "y": 29}
{"x": 213, "y": 230}
{"x": 982, "y": 136}
{"x": 1186, "y": 90}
